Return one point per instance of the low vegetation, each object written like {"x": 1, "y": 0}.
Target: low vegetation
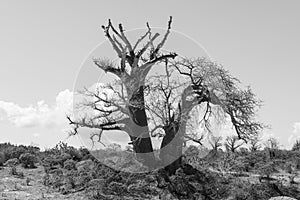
{"x": 242, "y": 174}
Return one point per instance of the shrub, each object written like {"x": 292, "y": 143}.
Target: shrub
{"x": 240, "y": 164}
{"x": 296, "y": 146}
{"x": 267, "y": 169}
{"x": 50, "y": 161}
{"x": 63, "y": 148}
{"x": 46, "y": 179}
{"x": 55, "y": 160}
{"x": 288, "y": 167}
{"x": 239, "y": 189}
{"x": 85, "y": 153}
{"x": 298, "y": 164}
{"x": 27, "y": 160}
{"x": 12, "y": 162}
{"x": 83, "y": 178}
{"x": 56, "y": 178}
{"x": 141, "y": 187}
{"x": 192, "y": 154}
{"x": 68, "y": 185}
{"x": 2, "y": 158}
{"x": 114, "y": 147}
{"x": 28, "y": 181}
{"x": 20, "y": 175}
{"x": 13, "y": 171}
{"x": 84, "y": 166}
{"x": 70, "y": 164}
{"x": 63, "y": 157}
{"x": 117, "y": 188}
{"x": 95, "y": 188}
{"x": 15, "y": 151}
{"x": 12, "y": 151}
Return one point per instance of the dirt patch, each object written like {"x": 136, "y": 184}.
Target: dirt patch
{"x": 13, "y": 187}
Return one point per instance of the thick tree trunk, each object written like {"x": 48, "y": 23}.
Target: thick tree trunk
{"x": 171, "y": 147}
{"x": 140, "y": 136}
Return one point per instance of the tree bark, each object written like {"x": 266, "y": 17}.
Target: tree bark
{"x": 142, "y": 144}
{"x": 171, "y": 147}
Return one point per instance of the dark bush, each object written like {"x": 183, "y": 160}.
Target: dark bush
{"x": 82, "y": 179}
{"x": 70, "y": 164}
{"x": 267, "y": 169}
{"x": 13, "y": 171}
{"x": 12, "y": 162}
{"x": 2, "y": 158}
{"x": 85, "y": 154}
{"x": 296, "y": 146}
{"x": 28, "y": 160}
{"x": 117, "y": 188}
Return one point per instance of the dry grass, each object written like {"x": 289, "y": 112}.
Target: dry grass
{"x": 13, "y": 187}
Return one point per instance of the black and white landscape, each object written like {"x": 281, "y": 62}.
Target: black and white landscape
{"x": 149, "y": 100}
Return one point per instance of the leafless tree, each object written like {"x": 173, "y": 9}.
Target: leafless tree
{"x": 209, "y": 85}
{"x": 232, "y": 143}
{"x": 272, "y": 143}
{"x": 162, "y": 105}
{"x": 215, "y": 142}
{"x": 127, "y": 113}
{"x": 254, "y": 144}
{"x": 296, "y": 145}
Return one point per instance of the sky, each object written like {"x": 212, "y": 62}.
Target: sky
{"x": 44, "y": 44}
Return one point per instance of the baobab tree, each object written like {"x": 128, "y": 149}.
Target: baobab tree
{"x": 206, "y": 84}
{"x": 271, "y": 145}
{"x": 145, "y": 105}
{"x": 135, "y": 64}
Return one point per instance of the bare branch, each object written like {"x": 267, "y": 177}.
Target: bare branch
{"x": 115, "y": 46}
{"x": 126, "y": 41}
{"x": 198, "y": 140}
{"x": 99, "y": 138}
{"x": 155, "y": 129}
{"x": 161, "y": 44}
{"x": 109, "y": 103}
{"x": 143, "y": 37}
{"x": 215, "y": 142}
{"x": 105, "y": 125}
{"x": 231, "y": 143}
{"x": 142, "y": 51}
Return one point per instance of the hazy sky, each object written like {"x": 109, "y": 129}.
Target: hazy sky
{"x": 43, "y": 44}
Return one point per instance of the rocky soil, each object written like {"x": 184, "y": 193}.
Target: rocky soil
{"x": 29, "y": 187}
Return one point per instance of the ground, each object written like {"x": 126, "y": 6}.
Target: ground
{"x": 15, "y": 188}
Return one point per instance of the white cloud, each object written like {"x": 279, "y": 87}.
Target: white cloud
{"x": 296, "y": 127}
{"x": 40, "y": 114}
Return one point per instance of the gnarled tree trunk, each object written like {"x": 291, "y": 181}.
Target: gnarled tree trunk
{"x": 171, "y": 146}
{"x": 140, "y": 136}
